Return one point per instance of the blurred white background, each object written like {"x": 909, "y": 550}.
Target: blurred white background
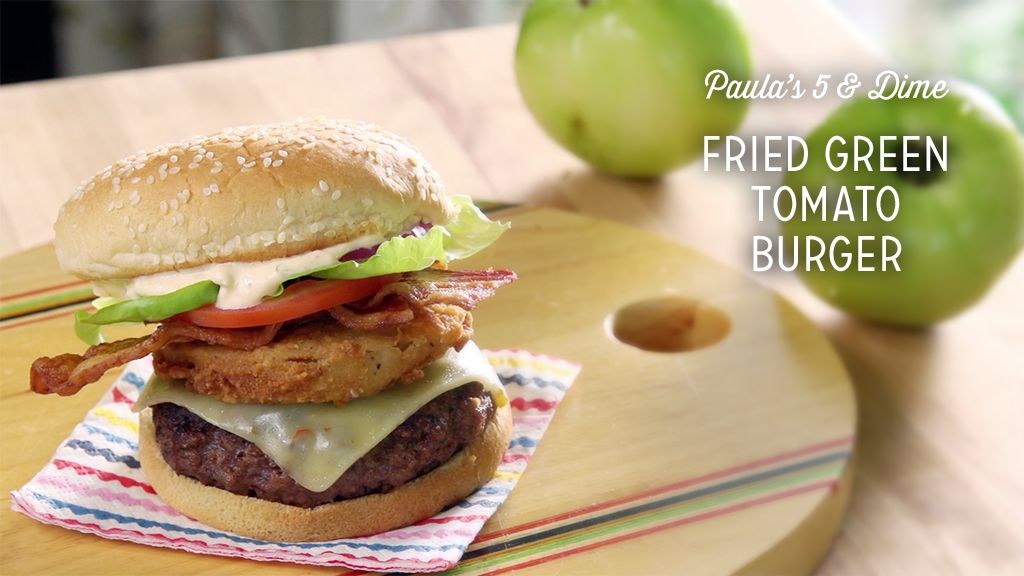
{"x": 978, "y": 40}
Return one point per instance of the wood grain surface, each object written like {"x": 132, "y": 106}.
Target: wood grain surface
{"x": 939, "y": 467}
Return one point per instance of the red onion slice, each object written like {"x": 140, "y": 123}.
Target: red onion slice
{"x": 420, "y": 230}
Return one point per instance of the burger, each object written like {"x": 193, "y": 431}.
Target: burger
{"x": 314, "y": 376}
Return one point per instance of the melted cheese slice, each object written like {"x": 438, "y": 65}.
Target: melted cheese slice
{"x": 316, "y": 443}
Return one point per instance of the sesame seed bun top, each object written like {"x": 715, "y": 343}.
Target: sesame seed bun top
{"x": 247, "y": 194}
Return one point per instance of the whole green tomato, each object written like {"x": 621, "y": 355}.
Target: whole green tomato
{"x": 959, "y": 228}
{"x": 620, "y": 83}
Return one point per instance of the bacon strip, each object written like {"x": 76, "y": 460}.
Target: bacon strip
{"x": 392, "y": 305}
{"x": 462, "y": 289}
{"x": 240, "y": 338}
{"x": 368, "y": 321}
{"x": 66, "y": 374}
{"x": 396, "y": 302}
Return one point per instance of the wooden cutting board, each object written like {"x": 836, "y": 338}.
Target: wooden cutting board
{"x": 730, "y": 457}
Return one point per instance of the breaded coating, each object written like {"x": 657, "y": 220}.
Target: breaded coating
{"x": 318, "y": 361}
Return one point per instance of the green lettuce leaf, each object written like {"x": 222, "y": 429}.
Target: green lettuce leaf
{"x": 145, "y": 309}
{"x": 393, "y": 256}
{"x": 470, "y": 232}
{"x": 87, "y": 332}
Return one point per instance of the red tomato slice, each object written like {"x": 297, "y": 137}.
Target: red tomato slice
{"x": 300, "y": 299}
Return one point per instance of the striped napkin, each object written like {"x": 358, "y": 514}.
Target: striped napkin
{"x": 94, "y": 484}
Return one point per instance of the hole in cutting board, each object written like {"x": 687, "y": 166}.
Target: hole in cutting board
{"x": 669, "y": 324}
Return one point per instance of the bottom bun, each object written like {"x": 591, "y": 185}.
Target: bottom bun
{"x": 411, "y": 502}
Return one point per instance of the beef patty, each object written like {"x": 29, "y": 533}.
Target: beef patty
{"x": 193, "y": 447}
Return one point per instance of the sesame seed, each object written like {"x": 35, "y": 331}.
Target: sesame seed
{"x": 163, "y": 207}
{"x": 150, "y": 179}
{"x": 336, "y": 194}
{"x": 209, "y": 154}
{"x": 266, "y": 162}
{"x": 266, "y": 154}
{"x": 214, "y": 188}
{"x": 280, "y": 203}
{"x": 282, "y": 153}
{"x": 240, "y": 160}
{"x": 215, "y": 169}
{"x": 206, "y": 191}
{"x": 136, "y": 180}
{"x": 184, "y": 195}
{"x": 174, "y": 204}
{"x": 249, "y": 164}
{"x": 275, "y": 163}
{"x": 174, "y": 170}
{"x": 142, "y": 228}
{"x": 174, "y": 158}
{"x": 198, "y": 158}
{"x": 163, "y": 167}
{"x": 133, "y": 197}
{"x": 324, "y": 186}
{"x": 193, "y": 166}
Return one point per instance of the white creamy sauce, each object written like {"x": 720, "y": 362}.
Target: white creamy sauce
{"x": 242, "y": 284}
{"x": 316, "y": 443}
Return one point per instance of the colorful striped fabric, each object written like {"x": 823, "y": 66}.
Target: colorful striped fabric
{"x": 94, "y": 484}
{"x": 813, "y": 468}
